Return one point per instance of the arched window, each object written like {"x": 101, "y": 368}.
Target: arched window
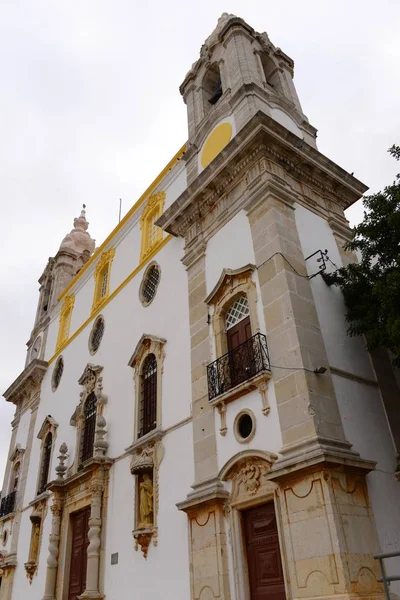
{"x": 45, "y": 466}
{"x": 237, "y": 322}
{"x": 15, "y": 477}
{"x": 212, "y": 87}
{"x": 148, "y": 404}
{"x": 152, "y": 235}
{"x": 89, "y": 426}
{"x": 271, "y": 73}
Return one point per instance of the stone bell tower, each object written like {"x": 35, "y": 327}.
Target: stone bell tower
{"x": 239, "y": 73}
{"x": 75, "y": 250}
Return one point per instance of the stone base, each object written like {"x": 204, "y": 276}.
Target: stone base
{"x": 86, "y": 595}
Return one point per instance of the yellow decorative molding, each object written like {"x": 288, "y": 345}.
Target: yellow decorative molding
{"x": 65, "y": 321}
{"x": 111, "y": 297}
{"x": 102, "y": 278}
{"x": 151, "y": 234}
{"x": 125, "y": 219}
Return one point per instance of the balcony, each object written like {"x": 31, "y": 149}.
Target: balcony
{"x": 240, "y": 365}
{"x": 7, "y": 504}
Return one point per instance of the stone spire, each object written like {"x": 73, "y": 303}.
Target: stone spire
{"x": 79, "y": 239}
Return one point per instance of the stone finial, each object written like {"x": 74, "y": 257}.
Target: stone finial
{"x": 78, "y": 238}
{"x": 100, "y": 444}
{"x": 61, "y": 467}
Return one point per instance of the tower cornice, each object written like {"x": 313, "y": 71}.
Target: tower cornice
{"x": 262, "y": 137}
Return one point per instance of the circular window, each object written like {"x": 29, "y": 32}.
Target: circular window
{"x": 245, "y": 426}
{"x": 148, "y": 287}
{"x": 57, "y": 373}
{"x": 96, "y": 335}
{"x": 4, "y": 537}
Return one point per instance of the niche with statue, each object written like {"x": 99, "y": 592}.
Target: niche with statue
{"x": 145, "y": 468}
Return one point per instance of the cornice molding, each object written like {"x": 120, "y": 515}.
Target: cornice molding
{"x": 28, "y": 380}
{"x": 261, "y": 137}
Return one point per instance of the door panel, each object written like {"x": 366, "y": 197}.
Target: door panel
{"x": 263, "y": 553}
{"x": 241, "y": 357}
{"x": 80, "y": 542}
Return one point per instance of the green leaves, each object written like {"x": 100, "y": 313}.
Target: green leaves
{"x": 371, "y": 288}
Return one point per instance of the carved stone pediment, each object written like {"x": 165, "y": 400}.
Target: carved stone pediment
{"x": 247, "y": 471}
{"x": 147, "y": 343}
{"x": 17, "y": 453}
{"x": 49, "y": 424}
{"x": 89, "y": 376}
{"x": 227, "y": 279}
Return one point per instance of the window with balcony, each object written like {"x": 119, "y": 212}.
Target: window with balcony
{"x": 241, "y": 350}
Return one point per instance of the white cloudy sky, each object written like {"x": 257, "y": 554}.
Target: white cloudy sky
{"x": 90, "y": 111}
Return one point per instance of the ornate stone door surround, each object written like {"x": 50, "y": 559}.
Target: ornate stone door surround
{"x": 88, "y": 487}
{"x": 249, "y": 488}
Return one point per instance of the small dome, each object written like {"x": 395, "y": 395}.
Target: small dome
{"x": 79, "y": 239}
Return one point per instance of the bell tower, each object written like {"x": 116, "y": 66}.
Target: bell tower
{"x": 75, "y": 250}
{"x": 239, "y": 73}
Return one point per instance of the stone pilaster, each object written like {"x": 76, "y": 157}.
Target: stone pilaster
{"x": 7, "y": 578}
{"x": 308, "y": 411}
{"x": 208, "y": 546}
{"x": 329, "y": 535}
{"x": 54, "y": 542}
{"x": 94, "y": 535}
{"x": 204, "y": 438}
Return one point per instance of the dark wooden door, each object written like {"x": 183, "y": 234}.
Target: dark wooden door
{"x": 263, "y": 553}
{"x": 241, "y": 356}
{"x": 80, "y": 542}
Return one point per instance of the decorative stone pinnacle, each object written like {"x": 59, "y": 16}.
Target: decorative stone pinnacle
{"x": 100, "y": 445}
{"x": 61, "y": 468}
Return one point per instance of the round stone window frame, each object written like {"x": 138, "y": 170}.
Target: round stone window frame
{"x": 93, "y": 351}
{"x": 142, "y": 299}
{"x": 239, "y": 438}
{"x": 54, "y": 384}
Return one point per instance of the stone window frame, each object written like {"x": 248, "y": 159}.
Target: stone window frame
{"x": 247, "y": 472}
{"x": 54, "y": 384}
{"x": 65, "y": 321}
{"x": 142, "y": 299}
{"x": 16, "y": 458}
{"x": 151, "y": 212}
{"x": 91, "y": 380}
{"x": 239, "y": 438}
{"x": 49, "y": 425}
{"x": 103, "y": 266}
{"x": 231, "y": 284}
{"x": 148, "y": 344}
{"x": 93, "y": 351}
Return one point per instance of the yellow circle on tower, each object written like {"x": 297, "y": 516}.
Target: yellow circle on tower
{"x": 216, "y": 141}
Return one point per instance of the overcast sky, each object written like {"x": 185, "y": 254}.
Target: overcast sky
{"x": 90, "y": 111}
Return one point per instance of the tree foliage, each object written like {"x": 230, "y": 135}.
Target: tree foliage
{"x": 371, "y": 288}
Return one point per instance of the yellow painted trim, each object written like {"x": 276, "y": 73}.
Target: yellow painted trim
{"x": 104, "y": 263}
{"x": 126, "y": 218}
{"x": 155, "y": 251}
{"x": 65, "y": 321}
{"x": 215, "y": 143}
{"x": 151, "y": 212}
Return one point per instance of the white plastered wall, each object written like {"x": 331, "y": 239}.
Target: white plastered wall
{"x": 232, "y": 248}
{"x": 361, "y": 408}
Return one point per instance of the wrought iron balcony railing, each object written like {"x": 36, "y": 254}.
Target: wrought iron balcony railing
{"x": 240, "y": 364}
{"x": 7, "y": 504}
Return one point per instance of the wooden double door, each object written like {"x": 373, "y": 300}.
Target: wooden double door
{"x": 80, "y": 543}
{"x": 263, "y": 553}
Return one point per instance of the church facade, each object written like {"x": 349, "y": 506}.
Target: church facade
{"x": 193, "y": 421}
